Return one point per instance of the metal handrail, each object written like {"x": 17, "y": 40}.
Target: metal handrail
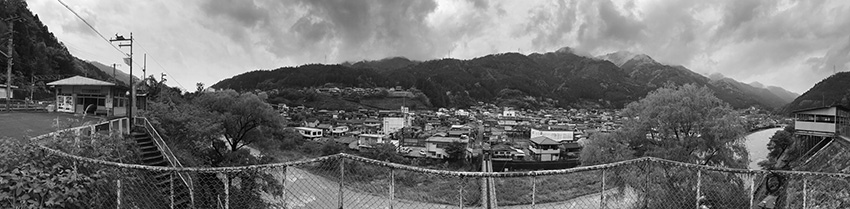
{"x": 169, "y": 155}
{"x": 77, "y": 128}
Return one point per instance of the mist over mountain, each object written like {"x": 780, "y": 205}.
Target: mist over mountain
{"x": 563, "y": 78}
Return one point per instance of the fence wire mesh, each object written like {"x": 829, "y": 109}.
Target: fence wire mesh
{"x": 346, "y": 181}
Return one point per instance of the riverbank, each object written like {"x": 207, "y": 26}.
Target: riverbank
{"x": 756, "y": 143}
{"x": 763, "y": 128}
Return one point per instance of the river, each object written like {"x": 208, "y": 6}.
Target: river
{"x": 757, "y": 146}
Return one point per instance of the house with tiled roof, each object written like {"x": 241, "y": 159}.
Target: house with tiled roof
{"x": 543, "y": 148}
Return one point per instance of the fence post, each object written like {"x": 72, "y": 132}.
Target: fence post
{"x": 646, "y": 185}
{"x": 285, "y": 196}
{"x": 460, "y": 196}
{"x": 699, "y": 182}
{"x": 602, "y": 191}
{"x": 226, "y": 192}
{"x": 805, "y": 182}
{"x": 533, "y": 190}
{"x": 171, "y": 188}
{"x": 752, "y": 180}
{"x": 341, "y": 179}
{"x": 392, "y": 188}
{"x": 118, "y": 195}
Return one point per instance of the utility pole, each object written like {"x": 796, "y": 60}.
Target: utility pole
{"x": 11, "y": 23}
{"x": 145, "y": 67}
{"x": 114, "y": 79}
{"x": 130, "y": 63}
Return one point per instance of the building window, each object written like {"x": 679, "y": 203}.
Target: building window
{"x": 805, "y": 117}
{"x": 824, "y": 119}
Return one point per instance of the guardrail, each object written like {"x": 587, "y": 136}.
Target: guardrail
{"x": 108, "y": 126}
{"x": 21, "y": 105}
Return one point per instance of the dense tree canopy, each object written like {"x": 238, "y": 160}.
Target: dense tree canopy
{"x": 688, "y": 124}
{"x": 240, "y": 114}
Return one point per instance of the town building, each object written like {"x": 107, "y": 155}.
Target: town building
{"x": 371, "y": 140}
{"x": 393, "y": 124}
{"x": 503, "y": 152}
{"x": 816, "y": 125}
{"x": 435, "y": 146}
{"x": 80, "y": 94}
{"x": 555, "y": 133}
{"x": 4, "y": 94}
{"x": 543, "y": 148}
{"x": 309, "y": 133}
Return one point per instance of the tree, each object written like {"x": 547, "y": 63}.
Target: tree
{"x": 240, "y": 116}
{"x": 200, "y": 87}
{"x": 384, "y": 152}
{"x": 456, "y": 151}
{"x": 606, "y": 148}
{"x": 688, "y": 124}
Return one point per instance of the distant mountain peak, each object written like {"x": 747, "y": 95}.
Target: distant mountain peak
{"x": 620, "y": 58}
{"x": 757, "y": 84}
{"x": 566, "y": 49}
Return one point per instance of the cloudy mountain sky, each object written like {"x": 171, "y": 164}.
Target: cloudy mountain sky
{"x": 792, "y": 44}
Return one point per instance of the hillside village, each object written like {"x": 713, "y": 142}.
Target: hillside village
{"x": 499, "y": 133}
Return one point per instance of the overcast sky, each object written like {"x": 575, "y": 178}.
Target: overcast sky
{"x": 792, "y": 44}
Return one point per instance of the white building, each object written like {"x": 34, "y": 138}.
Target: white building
{"x": 393, "y": 124}
{"x": 544, "y": 149}
{"x": 558, "y": 135}
{"x": 818, "y": 124}
{"x": 3, "y": 92}
{"x": 509, "y": 113}
{"x": 435, "y": 146}
{"x": 309, "y": 133}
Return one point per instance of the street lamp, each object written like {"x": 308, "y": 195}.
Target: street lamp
{"x": 122, "y": 43}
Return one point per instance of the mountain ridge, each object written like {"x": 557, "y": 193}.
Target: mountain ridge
{"x": 564, "y": 76}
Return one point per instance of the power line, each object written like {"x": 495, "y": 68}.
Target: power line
{"x": 160, "y": 65}
{"x": 92, "y": 27}
{"x": 113, "y": 46}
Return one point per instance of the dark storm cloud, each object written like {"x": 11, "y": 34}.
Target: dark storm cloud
{"x": 342, "y": 30}
{"x": 609, "y": 26}
{"x": 244, "y": 12}
{"x": 549, "y": 25}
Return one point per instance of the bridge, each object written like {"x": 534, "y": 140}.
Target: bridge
{"x": 350, "y": 181}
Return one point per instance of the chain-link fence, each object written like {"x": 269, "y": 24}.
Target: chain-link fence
{"x": 347, "y": 181}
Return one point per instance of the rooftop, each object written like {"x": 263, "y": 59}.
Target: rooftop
{"x": 543, "y": 140}
{"x": 80, "y": 81}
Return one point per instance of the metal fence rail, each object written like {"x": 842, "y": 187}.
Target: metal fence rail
{"x": 348, "y": 181}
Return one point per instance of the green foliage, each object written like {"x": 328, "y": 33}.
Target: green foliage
{"x": 240, "y": 115}
{"x": 456, "y": 151}
{"x": 384, "y": 152}
{"x": 31, "y": 179}
{"x": 38, "y": 52}
{"x": 40, "y": 184}
{"x": 833, "y": 90}
{"x": 606, "y": 148}
{"x": 688, "y": 124}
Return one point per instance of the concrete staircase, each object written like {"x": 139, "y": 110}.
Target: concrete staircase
{"x": 168, "y": 184}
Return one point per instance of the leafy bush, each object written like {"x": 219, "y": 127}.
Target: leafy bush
{"x": 29, "y": 178}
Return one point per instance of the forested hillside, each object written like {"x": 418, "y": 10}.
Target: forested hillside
{"x": 37, "y": 53}
{"x": 560, "y": 78}
{"x": 834, "y": 90}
